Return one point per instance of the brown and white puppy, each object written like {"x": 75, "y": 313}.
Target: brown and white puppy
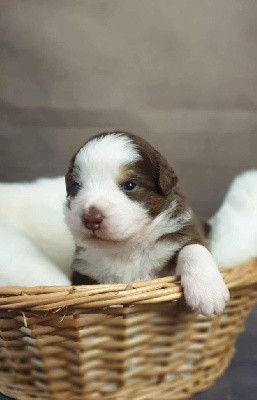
{"x": 130, "y": 222}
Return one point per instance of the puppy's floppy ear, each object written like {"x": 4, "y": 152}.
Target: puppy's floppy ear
{"x": 166, "y": 177}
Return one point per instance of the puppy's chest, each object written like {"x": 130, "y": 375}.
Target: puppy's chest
{"x": 124, "y": 267}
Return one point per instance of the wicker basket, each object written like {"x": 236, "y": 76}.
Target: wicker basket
{"x": 117, "y": 342}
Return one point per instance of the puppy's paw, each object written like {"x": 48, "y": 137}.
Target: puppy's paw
{"x": 204, "y": 288}
{"x": 206, "y": 296}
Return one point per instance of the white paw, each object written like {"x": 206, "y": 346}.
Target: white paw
{"x": 206, "y": 296}
{"x": 204, "y": 288}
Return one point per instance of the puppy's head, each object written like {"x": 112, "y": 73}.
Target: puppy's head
{"x": 116, "y": 185}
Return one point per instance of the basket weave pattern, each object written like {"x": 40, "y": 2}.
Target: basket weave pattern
{"x": 117, "y": 342}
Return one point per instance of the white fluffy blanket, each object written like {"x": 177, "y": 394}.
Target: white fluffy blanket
{"x": 36, "y": 247}
{"x": 233, "y": 236}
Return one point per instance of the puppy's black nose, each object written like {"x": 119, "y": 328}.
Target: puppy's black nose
{"x": 92, "y": 219}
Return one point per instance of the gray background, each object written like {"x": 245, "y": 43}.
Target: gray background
{"x": 182, "y": 73}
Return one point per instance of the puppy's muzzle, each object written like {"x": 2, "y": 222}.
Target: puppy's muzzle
{"x": 92, "y": 219}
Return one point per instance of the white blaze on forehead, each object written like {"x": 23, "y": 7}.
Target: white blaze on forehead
{"x": 106, "y": 152}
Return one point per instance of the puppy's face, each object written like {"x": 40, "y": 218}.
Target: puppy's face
{"x": 116, "y": 185}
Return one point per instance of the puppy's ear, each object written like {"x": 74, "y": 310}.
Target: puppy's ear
{"x": 166, "y": 177}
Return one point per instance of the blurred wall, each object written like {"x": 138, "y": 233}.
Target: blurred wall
{"x": 182, "y": 73}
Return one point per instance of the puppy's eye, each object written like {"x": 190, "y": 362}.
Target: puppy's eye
{"x": 74, "y": 188}
{"x": 128, "y": 186}
{"x": 75, "y": 185}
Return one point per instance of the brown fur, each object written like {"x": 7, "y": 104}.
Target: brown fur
{"x": 79, "y": 279}
{"x": 155, "y": 179}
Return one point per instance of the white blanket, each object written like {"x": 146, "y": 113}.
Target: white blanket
{"x": 36, "y": 247}
{"x": 233, "y": 236}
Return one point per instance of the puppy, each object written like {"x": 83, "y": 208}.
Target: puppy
{"x": 130, "y": 222}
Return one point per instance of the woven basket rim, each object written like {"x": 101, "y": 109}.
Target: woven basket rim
{"x": 46, "y": 298}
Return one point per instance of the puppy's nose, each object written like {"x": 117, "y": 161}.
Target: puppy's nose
{"x": 92, "y": 219}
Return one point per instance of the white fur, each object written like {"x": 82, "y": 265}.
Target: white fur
{"x": 234, "y": 227}
{"x": 141, "y": 258}
{"x": 103, "y": 156}
{"x": 204, "y": 288}
{"x": 32, "y": 216}
{"x": 98, "y": 166}
{"x": 138, "y": 263}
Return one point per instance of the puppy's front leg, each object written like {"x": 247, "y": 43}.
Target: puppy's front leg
{"x": 204, "y": 288}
